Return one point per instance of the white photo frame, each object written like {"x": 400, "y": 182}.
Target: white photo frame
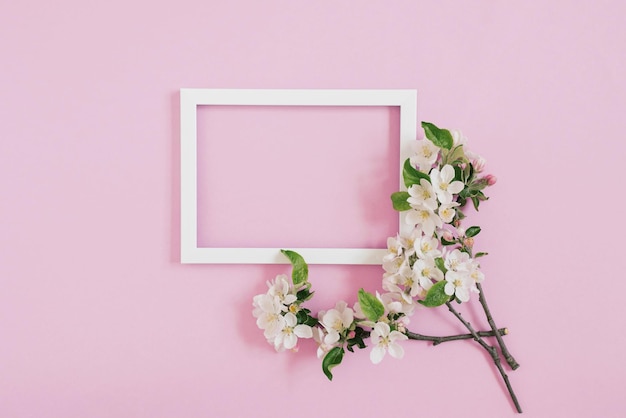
{"x": 191, "y": 98}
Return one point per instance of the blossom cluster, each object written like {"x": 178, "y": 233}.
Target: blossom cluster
{"x": 345, "y": 326}
{"x": 283, "y": 320}
{"x": 440, "y": 177}
{"x": 280, "y": 316}
{"x": 431, "y": 265}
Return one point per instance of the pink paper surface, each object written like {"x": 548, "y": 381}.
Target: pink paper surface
{"x": 297, "y": 176}
{"x": 99, "y": 319}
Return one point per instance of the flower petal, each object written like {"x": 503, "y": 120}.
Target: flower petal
{"x": 455, "y": 187}
{"x": 290, "y": 319}
{"x": 377, "y": 354}
{"x": 303, "y": 331}
{"x": 331, "y": 338}
{"x": 396, "y": 350}
{"x": 290, "y": 341}
{"x": 449, "y": 289}
{"x": 381, "y": 329}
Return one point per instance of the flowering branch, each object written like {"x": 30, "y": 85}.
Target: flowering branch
{"x": 492, "y": 352}
{"x": 439, "y": 340}
{"x": 432, "y": 265}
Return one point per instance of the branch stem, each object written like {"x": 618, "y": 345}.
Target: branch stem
{"x": 505, "y": 351}
{"x": 492, "y": 352}
{"x": 439, "y": 340}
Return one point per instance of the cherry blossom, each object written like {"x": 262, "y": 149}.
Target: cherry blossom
{"x": 383, "y": 340}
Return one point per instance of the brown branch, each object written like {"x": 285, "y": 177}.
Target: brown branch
{"x": 505, "y": 351}
{"x": 439, "y": 340}
{"x": 492, "y": 352}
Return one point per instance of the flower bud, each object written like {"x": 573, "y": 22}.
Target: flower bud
{"x": 468, "y": 242}
{"x": 491, "y": 179}
{"x": 351, "y": 335}
{"x": 479, "y": 164}
{"x": 447, "y": 235}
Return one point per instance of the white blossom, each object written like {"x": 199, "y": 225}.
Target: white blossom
{"x": 426, "y": 218}
{"x": 444, "y": 184}
{"x": 457, "y": 260}
{"x": 268, "y": 311}
{"x": 474, "y": 271}
{"x": 385, "y": 340}
{"x": 281, "y": 288}
{"x": 390, "y": 303}
{"x": 394, "y": 249}
{"x": 457, "y": 138}
{"x": 287, "y": 338}
{"x": 336, "y": 321}
{"x": 426, "y": 271}
{"x": 422, "y": 194}
{"x": 428, "y": 247}
{"x": 319, "y": 336}
{"x": 458, "y": 284}
{"x": 446, "y": 211}
{"x": 426, "y": 154}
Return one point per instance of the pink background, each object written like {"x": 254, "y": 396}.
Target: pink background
{"x": 99, "y": 319}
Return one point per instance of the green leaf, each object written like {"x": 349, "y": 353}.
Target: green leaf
{"x": 370, "y": 305}
{"x": 332, "y": 359}
{"x": 440, "y": 137}
{"x": 472, "y": 231}
{"x": 458, "y": 173}
{"x": 479, "y": 184}
{"x": 399, "y": 200}
{"x": 478, "y": 255}
{"x": 476, "y": 202}
{"x": 300, "y": 270}
{"x": 436, "y": 295}
{"x": 441, "y": 265}
{"x": 446, "y": 242}
{"x": 304, "y": 294}
{"x": 469, "y": 173}
{"x": 456, "y": 155}
{"x": 411, "y": 175}
{"x": 303, "y": 317}
{"x": 359, "y": 335}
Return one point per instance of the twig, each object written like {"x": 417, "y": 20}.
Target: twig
{"x": 492, "y": 351}
{"x": 505, "y": 351}
{"x": 439, "y": 340}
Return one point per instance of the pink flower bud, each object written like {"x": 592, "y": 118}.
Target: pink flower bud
{"x": 351, "y": 335}
{"x": 468, "y": 242}
{"x": 491, "y": 179}
{"x": 479, "y": 164}
{"x": 447, "y": 235}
